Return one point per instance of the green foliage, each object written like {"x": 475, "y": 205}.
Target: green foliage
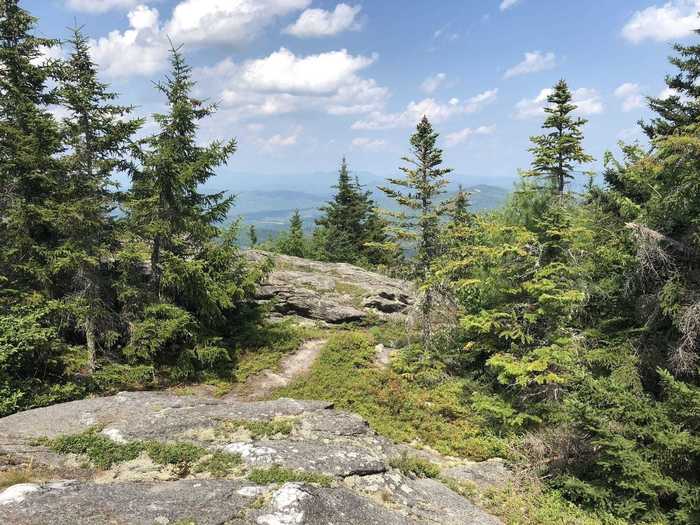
{"x": 260, "y": 429}
{"x": 277, "y": 474}
{"x": 414, "y": 466}
{"x": 219, "y": 464}
{"x": 103, "y": 453}
{"x": 557, "y": 153}
{"x": 418, "y": 226}
{"x": 100, "y": 450}
{"x": 350, "y": 228}
{"x": 396, "y": 405}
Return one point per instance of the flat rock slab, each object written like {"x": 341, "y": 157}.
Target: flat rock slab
{"x": 364, "y": 489}
{"x": 145, "y": 415}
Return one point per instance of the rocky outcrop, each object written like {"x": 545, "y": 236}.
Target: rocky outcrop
{"x": 331, "y": 292}
{"x": 354, "y": 484}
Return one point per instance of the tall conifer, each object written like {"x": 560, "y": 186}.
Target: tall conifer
{"x": 559, "y": 151}
{"x": 418, "y": 192}
{"x": 97, "y": 135}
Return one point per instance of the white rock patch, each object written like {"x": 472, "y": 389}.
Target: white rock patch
{"x": 250, "y": 452}
{"x": 114, "y": 434}
{"x": 18, "y": 493}
{"x": 285, "y": 502}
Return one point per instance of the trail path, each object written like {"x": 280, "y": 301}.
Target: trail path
{"x": 292, "y": 366}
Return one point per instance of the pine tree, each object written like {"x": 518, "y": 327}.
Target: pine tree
{"x": 680, "y": 108}
{"x": 165, "y": 204}
{"x": 252, "y": 236}
{"x": 30, "y": 175}
{"x": 459, "y": 211}
{"x": 418, "y": 191}
{"x": 558, "y": 152}
{"x": 97, "y": 135}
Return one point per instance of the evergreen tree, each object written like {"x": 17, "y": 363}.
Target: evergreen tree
{"x": 459, "y": 211}
{"x": 418, "y": 191}
{"x": 165, "y": 204}
{"x": 294, "y": 244}
{"x": 252, "y": 236}
{"x": 680, "y": 107}
{"x": 98, "y": 137}
{"x": 558, "y": 152}
{"x": 30, "y": 175}
{"x": 342, "y": 218}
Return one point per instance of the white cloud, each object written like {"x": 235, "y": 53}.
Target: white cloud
{"x": 226, "y": 21}
{"x": 279, "y": 141}
{"x": 507, "y": 4}
{"x": 140, "y": 50}
{"x": 437, "y": 112}
{"x": 433, "y": 83}
{"x": 100, "y": 6}
{"x": 319, "y": 22}
{"x": 458, "y": 137}
{"x": 631, "y": 96}
{"x": 533, "y": 62}
{"x": 282, "y": 71}
{"x": 673, "y": 20}
{"x": 285, "y": 83}
{"x": 587, "y": 100}
{"x": 368, "y": 144}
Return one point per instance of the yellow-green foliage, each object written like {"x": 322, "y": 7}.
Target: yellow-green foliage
{"x": 394, "y": 405}
{"x": 260, "y": 429}
{"x": 264, "y": 347}
{"x": 530, "y": 505}
{"x": 103, "y": 453}
{"x": 414, "y": 466}
{"x": 277, "y": 474}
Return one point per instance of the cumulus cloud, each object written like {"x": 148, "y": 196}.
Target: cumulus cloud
{"x": 433, "y": 83}
{"x": 458, "y": 137}
{"x": 226, "y": 21}
{"x": 140, "y": 50}
{"x": 533, "y": 62}
{"x": 631, "y": 96}
{"x": 283, "y": 83}
{"x": 507, "y": 4}
{"x": 319, "y": 22}
{"x": 99, "y": 6}
{"x": 436, "y": 111}
{"x": 587, "y": 100}
{"x": 368, "y": 144}
{"x": 283, "y": 71}
{"x": 673, "y": 20}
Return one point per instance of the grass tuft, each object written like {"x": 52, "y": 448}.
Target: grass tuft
{"x": 277, "y": 474}
{"x": 416, "y": 467}
{"x": 259, "y": 429}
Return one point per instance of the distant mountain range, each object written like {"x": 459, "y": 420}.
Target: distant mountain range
{"x": 268, "y": 201}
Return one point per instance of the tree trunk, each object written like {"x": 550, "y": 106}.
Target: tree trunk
{"x": 91, "y": 342}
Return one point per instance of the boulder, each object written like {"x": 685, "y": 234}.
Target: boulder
{"x": 332, "y": 293}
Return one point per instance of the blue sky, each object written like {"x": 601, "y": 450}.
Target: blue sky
{"x": 303, "y": 82}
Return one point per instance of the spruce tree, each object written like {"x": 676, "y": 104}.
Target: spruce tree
{"x": 681, "y": 107}
{"x": 97, "y": 136}
{"x": 165, "y": 204}
{"x": 418, "y": 192}
{"x": 294, "y": 243}
{"x": 252, "y": 236}
{"x": 30, "y": 175}
{"x": 342, "y": 219}
{"x": 558, "y": 152}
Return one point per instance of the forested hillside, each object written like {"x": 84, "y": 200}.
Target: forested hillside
{"x": 560, "y": 331}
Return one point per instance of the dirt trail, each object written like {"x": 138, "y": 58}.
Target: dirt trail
{"x": 292, "y": 366}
